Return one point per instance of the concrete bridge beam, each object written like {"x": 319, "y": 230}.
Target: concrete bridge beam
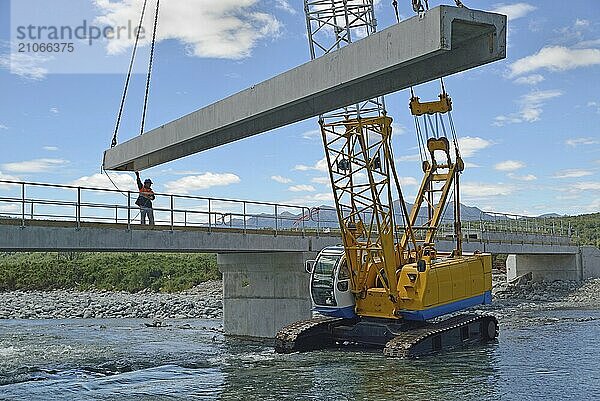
{"x": 262, "y": 292}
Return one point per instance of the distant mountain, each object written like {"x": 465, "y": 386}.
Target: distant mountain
{"x": 550, "y": 215}
{"x": 325, "y": 216}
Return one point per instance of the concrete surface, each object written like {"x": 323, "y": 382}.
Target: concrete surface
{"x": 264, "y": 292}
{"x": 544, "y": 267}
{"x": 40, "y": 235}
{"x": 590, "y": 260}
{"x": 116, "y": 237}
{"x": 445, "y": 41}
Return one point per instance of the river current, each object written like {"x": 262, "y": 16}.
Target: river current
{"x": 550, "y": 355}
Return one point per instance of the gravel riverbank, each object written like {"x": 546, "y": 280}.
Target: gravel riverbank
{"x": 205, "y": 301}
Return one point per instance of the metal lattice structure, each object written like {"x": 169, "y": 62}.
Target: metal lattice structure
{"x": 332, "y": 24}
{"x": 357, "y": 142}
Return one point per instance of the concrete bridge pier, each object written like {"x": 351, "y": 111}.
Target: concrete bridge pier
{"x": 263, "y": 292}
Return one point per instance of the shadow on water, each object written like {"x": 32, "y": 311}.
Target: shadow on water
{"x": 538, "y": 356}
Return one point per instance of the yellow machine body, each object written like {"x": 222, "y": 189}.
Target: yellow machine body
{"x": 447, "y": 284}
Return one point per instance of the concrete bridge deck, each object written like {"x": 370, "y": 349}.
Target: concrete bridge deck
{"x": 52, "y": 235}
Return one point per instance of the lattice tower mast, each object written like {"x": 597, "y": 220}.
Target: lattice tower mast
{"x": 357, "y": 140}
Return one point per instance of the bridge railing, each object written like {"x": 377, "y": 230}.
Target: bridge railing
{"x": 26, "y": 201}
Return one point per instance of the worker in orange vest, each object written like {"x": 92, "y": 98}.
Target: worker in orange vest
{"x": 144, "y": 201}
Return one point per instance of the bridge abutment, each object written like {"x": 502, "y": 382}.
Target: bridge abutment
{"x": 546, "y": 267}
{"x": 263, "y": 292}
{"x": 590, "y": 262}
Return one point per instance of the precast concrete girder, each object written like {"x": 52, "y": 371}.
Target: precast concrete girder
{"x": 443, "y": 41}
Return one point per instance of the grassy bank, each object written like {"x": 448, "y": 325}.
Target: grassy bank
{"x": 131, "y": 272}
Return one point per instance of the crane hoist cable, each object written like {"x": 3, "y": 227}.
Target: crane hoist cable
{"x": 130, "y": 71}
{"x": 153, "y": 45}
{"x": 128, "y": 79}
{"x": 395, "y": 5}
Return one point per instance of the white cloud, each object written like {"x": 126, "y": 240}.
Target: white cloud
{"x": 584, "y": 44}
{"x": 582, "y": 23}
{"x": 10, "y": 209}
{"x": 50, "y": 148}
{"x": 573, "y": 173}
{"x": 320, "y": 165}
{"x": 408, "y": 181}
{"x": 280, "y": 179}
{"x": 285, "y": 6}
{"x": 530, "y": 108}
{"x": 586, "y": 186}
{"x": 509, "y": 165}
{"x": 555, "y": 58}
{"x": 6, "y": 177}
{"x": 2, "y": 126}
{"x": 477, "y": 190}
{"x": 514, "y": 11}
{"x": 532, "y": 79}
{"x": 124, "y": 182}
{"x": 302, "y": 188}
{"x": 526, "y": 177}
{"x": 54, "y": 110}
{"x": 192, "y": 183}
{"x": 398, "y": 129}
{"x": 581, "y": 141}
{"x": 321, "y": 180}
{"x": 34, "y": 166}
{"x": 470, "y": 145}
{"x": 594, "y": 105}
{"x": 208, "y": 28}
{"x": 312, "y": 134}
{"x": 313, "y": 199}
{"x": 409, "y": 158}
{"x": 25, "y": 65}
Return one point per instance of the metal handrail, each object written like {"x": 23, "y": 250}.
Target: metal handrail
{"x": 489, "y": 222}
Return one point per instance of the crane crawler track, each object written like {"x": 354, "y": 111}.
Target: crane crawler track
{"x": 440, "y": 336}
{"x": 306, "y": 335}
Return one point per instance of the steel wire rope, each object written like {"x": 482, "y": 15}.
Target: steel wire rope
{"x": 128, "y": 78}
{"x": 152, "y": 48}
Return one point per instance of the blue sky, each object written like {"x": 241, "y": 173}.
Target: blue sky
{"x": 530, "y": 124}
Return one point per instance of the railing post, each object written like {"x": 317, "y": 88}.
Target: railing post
{"x": 129, "y": 210}
{"x": 318, "y": 222}
{"x": 209, "y": 217}
{"x": 31, "y": 211}
{"x": 276, "y": 225}
{"x": 78, "y": 208}
{"x": 303, "y": 221}
{"x": 244, "y": 217}
{"x": 116, "y": 214}
{"x": 172, "y": 211}
{"x": 23, "y": 204}
{"x": 185, "y": 218}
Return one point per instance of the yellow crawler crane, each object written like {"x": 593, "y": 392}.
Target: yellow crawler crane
{"x": 388, "y": 281}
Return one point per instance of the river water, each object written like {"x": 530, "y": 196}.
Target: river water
{"x": 551, "y": 355}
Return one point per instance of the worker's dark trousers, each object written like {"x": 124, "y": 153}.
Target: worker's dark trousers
{"x": 147, "y": 211}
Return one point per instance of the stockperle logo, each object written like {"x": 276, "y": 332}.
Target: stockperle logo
{"x": 72, "y": 37}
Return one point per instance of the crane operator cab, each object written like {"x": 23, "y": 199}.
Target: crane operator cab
{"x": 330, "y": 283}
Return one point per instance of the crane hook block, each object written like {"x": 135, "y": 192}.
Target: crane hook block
{"x": 441, "y": 106}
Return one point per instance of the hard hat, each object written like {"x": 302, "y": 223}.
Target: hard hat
{"x": 147, "y": 181}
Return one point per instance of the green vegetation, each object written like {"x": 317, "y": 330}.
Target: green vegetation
{"x": 587, "y": 227}
{"x": 131, "y": 272}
